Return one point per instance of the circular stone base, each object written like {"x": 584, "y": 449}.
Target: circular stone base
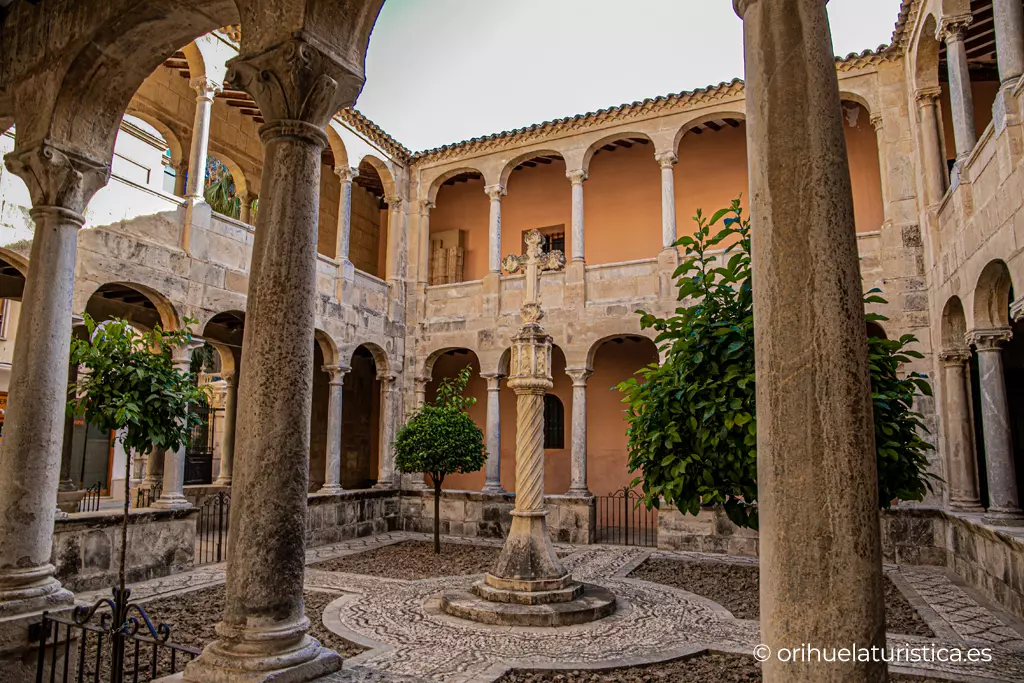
{"x": 595, "y": 603}
{"x": 572, "y": 591}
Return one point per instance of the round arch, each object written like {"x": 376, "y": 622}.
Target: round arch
{"x": 954, "y": 325}
{"x": 169, "y": 136}
{"x": 854, "y": 98}
{"x": 327, "y": 347}
{"x": 436, "y": 183}
{"x": 234, "y": 168}
{"x": 337, "y": 146}
{"x": 705, "y": 119}
{"x": 164, "y": 311}
{"x": 380, "y": 356}
{"x": 19, "y": 262}
{"x": 926, "y": 54}
{"x": 592, "y": 351}
{"x": 431, "y": 358}
{"x": 608, "y": 139}
{"x": 387, "y": 178}
{"x": 992, "y": 297}
{"x": 506, "y": 171}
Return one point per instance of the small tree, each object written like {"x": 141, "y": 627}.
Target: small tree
{"x": 692, "y": 423}
{"x": 130, "y": 386}
{"x": 441, "y": 439}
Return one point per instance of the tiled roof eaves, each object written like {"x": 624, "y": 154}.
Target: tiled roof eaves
{"x": 903, "y": 23}
{"x": 359, "y": 122}
{"x": 630, "y": 110}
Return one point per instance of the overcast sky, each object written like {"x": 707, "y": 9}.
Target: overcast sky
{"x": 440, "y": 71}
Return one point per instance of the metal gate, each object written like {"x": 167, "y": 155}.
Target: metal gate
{"x": 199, "y": 450}
{"x": 623, "y": 520}
{"x": 212, "y": 529}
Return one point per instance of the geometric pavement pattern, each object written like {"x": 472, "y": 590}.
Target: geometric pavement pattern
{"x": 409, "y": 640}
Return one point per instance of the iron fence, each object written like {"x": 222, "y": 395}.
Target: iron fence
{"x": 117, "y": 642}
{"x": 212, "y": 529}
{"x": 200, "y": 446}
{"x": 145, "y": 496}
{"x": 91, "y": 500}
{"x": 623, "y": 520}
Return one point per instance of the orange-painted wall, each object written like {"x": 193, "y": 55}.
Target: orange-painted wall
{"x": 622, "y": 196}
{"x": 865, "y": 178}
{"x": 712, "y": 171}
{"x": 983, "y": 93}
{"x": 537, "y": 197}
{"x": 464, "y": 206}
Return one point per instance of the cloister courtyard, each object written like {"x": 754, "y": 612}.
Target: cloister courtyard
{"x": 259, "y": 360}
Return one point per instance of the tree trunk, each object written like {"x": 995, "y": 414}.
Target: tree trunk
{"x": 437, "y": 517}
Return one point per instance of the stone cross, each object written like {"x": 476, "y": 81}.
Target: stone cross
{"x": 532, "y": 263}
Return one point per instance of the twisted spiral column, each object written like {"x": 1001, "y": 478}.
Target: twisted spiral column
{"x": 529, "y": 450}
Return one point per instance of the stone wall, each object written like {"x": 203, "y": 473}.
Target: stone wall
{"x": 487, "y": 515}
{"x": 711, "y": 531}
{"x": 86, "y": 546}
{"x": 338, "y": 517}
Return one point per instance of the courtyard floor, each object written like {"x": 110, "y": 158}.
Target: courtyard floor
{"x": 375, "y": 600}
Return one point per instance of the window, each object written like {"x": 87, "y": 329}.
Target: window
{"x": 554, "y": 422}
{"x": 554, "y": 238}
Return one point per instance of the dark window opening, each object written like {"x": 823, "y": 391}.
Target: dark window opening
{"x": 554, "y": 422}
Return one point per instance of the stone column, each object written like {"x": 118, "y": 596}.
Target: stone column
{"x": 60, "y": 183}
{"x": 207, "y": 90}
{"x": 332, "y": 474}
{"x": 492, "y": 484}
{"x": 395, "y": 255}
{"x": 962, "y": 467}
{"x": 263, "y": 633}
{"x": 423, "y": 260}
{"x": 180, "y": 174}
{"x": 576, "y": 179}
{"x": 154, "y": 471}
{"x": 931, "y": 146}
{"x": 821, "y": 557}
{"x": 878, "y": 123}
{"x": 951, "y": 31}
{"x": 1009, "y": 25}
{"x": 1000, "y": 473}
{"x": 420, "y": 390}
{"x": 227, "y": 437}
{"x": 245, "y": 214}
{"x": 666, "y": 160}
{"x": 495, "y": 192}
{"x": 415, "y": 480}
{"x": 344, "y": 238}
{"x": 172, "y": 496}
{"x": 386, "y": 457}
{"x": 578, "y": 482}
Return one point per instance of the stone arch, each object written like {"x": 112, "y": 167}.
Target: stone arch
{"x": 431, "y": 358}
{"x": 234, "y": 168}
{"x": 380, "y": 356}
{"x": 13, "y": 270}
{"x": 592, "y": 350}
{"x": 926, "y": 54}
{"x": 337, "y": 146}
{"x": 992, "y": 297}
{"x": 703, "y": 120}
{"x": 511, "y": 165}
{"x": 875, "y": 329}
{"x": 436, "y": 183}
{"x": 387, "y": 178}
{"x": 15, "y": 259}
{"x": 854, "y": 98}
{"x": 169, "y": 136}
{"x": 608, "y": 139}
{"x": 163, "y": 311}
{"x": 954, "y": 325}
{"x": 207, "y": 57}
{"x": 327, "y": 346}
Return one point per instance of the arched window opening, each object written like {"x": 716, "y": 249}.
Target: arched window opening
{"x": 220, "y": 192}
{"x": 554, "y": 422}
{"x": 876, "y": 330}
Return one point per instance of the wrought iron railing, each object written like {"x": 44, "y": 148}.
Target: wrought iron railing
{"x": 145, "y": 496}
{"x": 623, "y": 520}
{"x": 212, "y": 529}
{"x": 117, "y": 643}
{"x": 91, "y": 500}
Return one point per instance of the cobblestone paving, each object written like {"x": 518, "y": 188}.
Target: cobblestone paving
{"x": 411, "y": 641}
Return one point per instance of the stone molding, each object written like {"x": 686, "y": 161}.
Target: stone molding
{"x": 426, "y": 206}
{"x": 493, "y": 380}
{"x": 295, "y": 81}
{"x": 1017, "y": 310}
{"x": 346, "y": 175}
{"x": 495, "y": 192}
{"x": 953, "y": 28}
{"x": 576, "y": 177}
{"x": 954, "y": 357}
{"x": 579, "y": 376}
{"x": 58, "y": 178}
{"x": 205, "y": 87}
{"x": 927, "y": 96}
{"x": 990, "y": 339}
{"x": 337, "y": 373}
{"x": 666, "y": 159}
{"x": 877, "y": 122}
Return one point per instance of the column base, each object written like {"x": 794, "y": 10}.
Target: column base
{"x": 966, "y": 506}
{"x": 528, "y": 556}
{"x": 171, "y": 502}
{"x": 579, "y": 493}
{"x": 493, "y": 488}
{"x": 307, "y": 662}
{"x": 384, "y": 486}
{"x": 223, "y": 482}
{"x": 1004, "y": 517}
{"x": 331, "y": 489}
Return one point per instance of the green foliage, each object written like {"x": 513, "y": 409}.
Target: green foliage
{"x": 440, "y": 437}
{"x": 692, "y": 424}
{"x": 220, "y": 189}
{"x": 130, "y": 384}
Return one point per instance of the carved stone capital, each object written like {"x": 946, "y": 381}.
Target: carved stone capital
{"x": 741, "y": 6}
{"x": 576, "y": 177}
{"x": 426, "y": 206}
{"x": 394, "y": 203}
{"x": 953, "y": 28}
{"x": 296, "y": 82}
{"x": 345, "y": 174}
{"x": 387, "y": 381}
{"x": 927, "y": 96}
{"x": 337, "y": 373}
{"x": 181, "y": 356}
{"x": 579, "y": 376}
{"x": 58, "y": 178}
{"x": 877, "y": 122}
{"x": 989, "y": 340}
{"x": 1017, "y": 310}
{"x": 422, "y": 381}
{"x": 493, "y": 380}
{"x": 206, "y": 88}
{"x": 495, "y": 192}
{"x": 666, "y": 159}
{"x": 954, "y": 357}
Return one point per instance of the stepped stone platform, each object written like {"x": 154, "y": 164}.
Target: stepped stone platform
{"x": 484, "y": 604}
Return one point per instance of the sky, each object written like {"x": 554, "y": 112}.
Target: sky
{"x": 441, "y": 71}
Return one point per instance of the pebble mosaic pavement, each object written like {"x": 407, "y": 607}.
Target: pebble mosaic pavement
{"x": 410, "y": 641}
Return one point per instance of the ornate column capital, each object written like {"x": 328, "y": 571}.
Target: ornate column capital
{"x": 953, "y": 28}
{"x": 579, "y": 376}
{"x": 205, "y": 87}
{"x": 422, "y": 380}
{"x": 495, "y": 192}
{"x": 297, "y": 86}
{"x": 230, "y": 379}
{"x": 337, "y": 373}
{"x": 393, "y": 202}
{"x": 989, "y": 339}
{"x": 493, "y": 380}
{"x": 1017, "y": 310}
{"x": 877, "y": 122}
{"x": 927, "y": 96}
{"x": 954, "y": 357}
{"x": 741, "y": 6}
{"x": 346, "y": 174}
{"x": 58, "y": 178}
{"x": 576, "y": 177}
{"x": 666, "y": 159}
{"x": 426, "y": 206}
{"x": 387, "y": 380}
{"x": 182, "y": 355}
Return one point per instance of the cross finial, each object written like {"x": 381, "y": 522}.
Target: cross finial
{"x": 533, "y": 262}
